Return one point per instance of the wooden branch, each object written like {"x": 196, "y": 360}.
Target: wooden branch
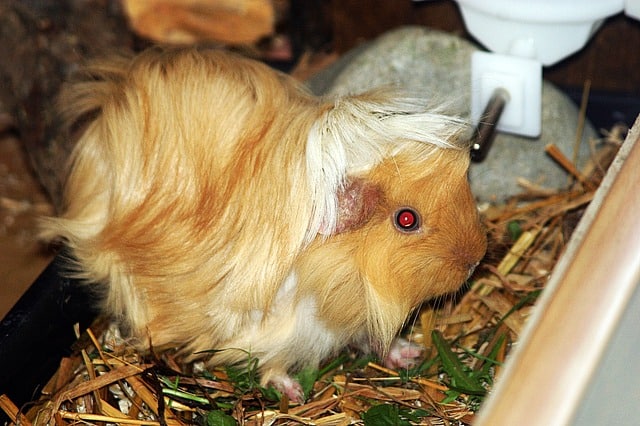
{"x": 588, "y": 291}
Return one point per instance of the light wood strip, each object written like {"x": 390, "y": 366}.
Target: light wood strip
{"x": 545, "y": 377}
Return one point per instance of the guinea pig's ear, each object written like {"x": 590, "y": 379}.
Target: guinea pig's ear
{"x": 351, "y": 135}
{"x": 357, "y": 201}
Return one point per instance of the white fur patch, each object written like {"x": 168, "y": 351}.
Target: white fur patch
{"x": 356, "y": 134}
{"x": 290, "y": 330}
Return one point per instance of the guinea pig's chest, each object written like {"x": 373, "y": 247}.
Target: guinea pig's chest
{"x": 293, "y": 323}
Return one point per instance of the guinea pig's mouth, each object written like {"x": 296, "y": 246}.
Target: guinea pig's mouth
{"x": 459, "y": 273}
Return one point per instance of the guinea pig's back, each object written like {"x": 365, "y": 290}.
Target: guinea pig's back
{"x": 177, "y": 198}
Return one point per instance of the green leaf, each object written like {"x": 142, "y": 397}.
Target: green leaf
{"x": 335, "y": 363}
{"x": 488, "y": 359}
{"x": 270, "y": 393}
{"x": 383, "y": 415}
{"x": 491, "y": 358}
{"x": 452, "y": 395}
{"x": 418, "y": 371}
{"x": 529, "y": 298}
{"x": 461, "y": 380}
{"x": 218, "y": 418}
{"x": 514, "y": 230}
{"x": 185, "y": 395}
{"x": 307, "y": 378}
{"x": 392, "y": 415}
{"x": 244, "y": 376}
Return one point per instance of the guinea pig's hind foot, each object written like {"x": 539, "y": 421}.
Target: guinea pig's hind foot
{"x": 287, "y": 386}
{"x": 403, "y": 354}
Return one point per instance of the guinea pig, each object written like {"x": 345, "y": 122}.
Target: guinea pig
{"x": 223, "y": 210}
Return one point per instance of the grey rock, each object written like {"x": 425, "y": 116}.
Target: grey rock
{"x": 436, "y": 65}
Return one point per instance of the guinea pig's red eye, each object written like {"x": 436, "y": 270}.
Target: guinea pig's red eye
{"x": 406, "y": 220}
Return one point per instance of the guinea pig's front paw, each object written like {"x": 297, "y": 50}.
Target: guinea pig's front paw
{"x": 287, "y": 386}
{"x": 403, "y": 354}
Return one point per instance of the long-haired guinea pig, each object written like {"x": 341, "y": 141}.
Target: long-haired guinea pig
{"x": 219, "y": 206}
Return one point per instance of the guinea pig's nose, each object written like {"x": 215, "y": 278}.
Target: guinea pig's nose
{"x": 470, "y": 255}
{"x": 471, "y": 267}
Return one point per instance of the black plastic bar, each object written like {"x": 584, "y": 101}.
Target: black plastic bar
{"x": 39, "y": 330}
{"x": 484, "y": 133}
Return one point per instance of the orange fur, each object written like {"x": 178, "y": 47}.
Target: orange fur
{"x": 204, "y": 195}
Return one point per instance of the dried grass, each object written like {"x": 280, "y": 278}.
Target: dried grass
{"x": 473, "y": 335}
